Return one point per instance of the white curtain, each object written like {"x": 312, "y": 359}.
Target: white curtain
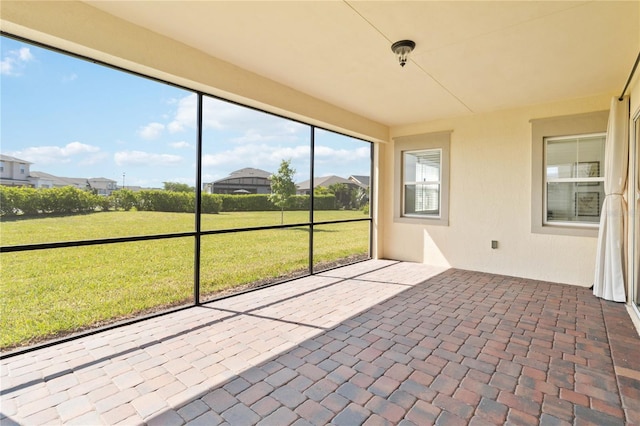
{"x": 609, "y": 280}
{"x": 636, "y": 194}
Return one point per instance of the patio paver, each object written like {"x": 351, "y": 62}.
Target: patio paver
{"x": 378, "y": 342}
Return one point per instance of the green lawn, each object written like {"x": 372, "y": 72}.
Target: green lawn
{"x": 46, "y": 293}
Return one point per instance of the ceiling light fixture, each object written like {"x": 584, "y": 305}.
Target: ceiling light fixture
{"x": 402, "y": 49}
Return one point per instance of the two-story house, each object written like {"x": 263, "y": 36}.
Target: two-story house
{"x": 14, "y": 171}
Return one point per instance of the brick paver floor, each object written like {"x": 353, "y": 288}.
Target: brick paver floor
{"x": 375, "y": 343}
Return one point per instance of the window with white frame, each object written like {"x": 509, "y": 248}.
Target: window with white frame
{"x": 421, "y": 178}
{"x": 574, "y": 179}
{"x": 553, "y": 194}
{"x": 421, "y": 182}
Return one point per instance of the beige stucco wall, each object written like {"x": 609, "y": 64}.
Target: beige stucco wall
{"x": 490, "y": 200}
{"x": 634, "y": 93}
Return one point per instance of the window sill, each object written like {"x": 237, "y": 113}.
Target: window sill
{"x": 566, "y": 229}
{"x": 422, "y": 220}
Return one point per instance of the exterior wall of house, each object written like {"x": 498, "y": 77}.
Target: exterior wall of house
{"x": 634, "y": 93}
{"x": 254, "y": 185}
{"x": 14, "y": 173}
{"x": 17, "y": 170}
{"x": 490, "y": 199}
{"x": 39, "y": 183}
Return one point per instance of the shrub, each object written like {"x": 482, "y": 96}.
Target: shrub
{"x": 246, "y": 203}
{"x": 210, "y": 203}
{"x": 6, "y": 203}
{"x": 14, "y": 200}
{"x": 156, "y": 200}
{"x": 123, "y": 199}
{"x": 30, "y": 201}
{"x": 261, "y": 202}
{"x": 323, "y": 202}
{"x": 69, "y": 200}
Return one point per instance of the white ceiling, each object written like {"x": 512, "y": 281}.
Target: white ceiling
{"x": 471, "y": 57}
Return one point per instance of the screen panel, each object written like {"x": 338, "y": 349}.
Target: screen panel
{"x": 244, "y": 153}
{"x": 342, "y": 168}
{"x": 339, "y": 244}
{"x": 238, "y": 261}
{"x": 53, "y": 292}
{"x": 81, "y": 139}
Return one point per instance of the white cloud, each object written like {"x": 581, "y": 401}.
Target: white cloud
{"x": 15, "y": 60}
{"x": 235, "y": 137}
{"x": 94, "y": 159}
{"x": 70, "y": 77}
{"x": 78, "y": 148}
{"x": 247, "y": 125}
{"x": 342, "y": 155}
{"x": 25, "y": 54}
{"x": 228, "y": 158}
{"x": 185, "y": 116}
{"x": 341, "y": 162}
{"x": 293, "y": 153}
{"x": 138, "y": 158}
{"x": 151, "y": 131}
{"x": 261, "y": 156}
{"x": 216, "y": 114}
{"x": 55, "y": 154}
{"x": 180, "y": 144}
{"x": 253, "y": 136}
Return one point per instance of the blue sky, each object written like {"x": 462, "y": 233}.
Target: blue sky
{"x": 74, "y": 118}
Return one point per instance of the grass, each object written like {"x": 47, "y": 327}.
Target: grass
{"x": 47, "y": 293}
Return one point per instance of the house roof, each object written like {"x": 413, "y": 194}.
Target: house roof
{"x": 323, "y": 181}
{"x": 470, "y": 57}
{"x": 101, "y": 179}
{"x": 99, "y": 182}
{"x": 59, "y": 180}
{"x": 42, "y": 175}
{"x": 360, "y": 179}
{"x": 4, "y": 157}
{"x": 246, "y": 172}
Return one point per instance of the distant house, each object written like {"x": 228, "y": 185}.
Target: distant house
{"x": 361, "y": 181}
{"x": 14, "y": 171}
{"x": 304, "y": 188}
{"x": 46, "y": 180}
{"x": 102, "y": 186}
{"x": 243, "y": 181}
{"x": 43, "y": 180}
{"x": 137, "y": 188}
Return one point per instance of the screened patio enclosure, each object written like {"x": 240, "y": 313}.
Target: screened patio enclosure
{"x": 159, "y": 241}
{"x": 484, "y": 74}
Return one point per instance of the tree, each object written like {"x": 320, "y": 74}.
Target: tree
{"x": 282, "y": 187}
{"x": 178, "y": 187}
{"x": 345, "y": 195}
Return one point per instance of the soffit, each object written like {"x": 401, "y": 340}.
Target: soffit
{"x": 471, "y": 57}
